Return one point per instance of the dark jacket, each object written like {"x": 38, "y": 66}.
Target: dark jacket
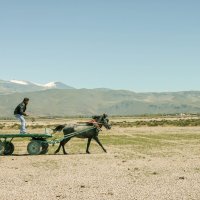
{"x": 20, "y": 109}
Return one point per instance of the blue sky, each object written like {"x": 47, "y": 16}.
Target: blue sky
{"x": 139, "y": 45}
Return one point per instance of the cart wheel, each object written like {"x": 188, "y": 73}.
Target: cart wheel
{"x": 45, "y": 146}
{"x": 2, "y": 147}
{"x": 34, "y": 147}
{"x": 9, "y": 148}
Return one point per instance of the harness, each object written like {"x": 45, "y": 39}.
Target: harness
{"x": 93, "y": 123}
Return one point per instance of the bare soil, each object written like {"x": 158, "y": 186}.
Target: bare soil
{"x": 157, "y": 163}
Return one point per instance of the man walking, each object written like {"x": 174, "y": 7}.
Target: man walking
{"x": 20, "y": 112}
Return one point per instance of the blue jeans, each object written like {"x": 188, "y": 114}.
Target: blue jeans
{"x": 23, "y": 123}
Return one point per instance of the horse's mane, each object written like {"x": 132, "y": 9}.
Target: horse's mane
{"x": 96, "y": 117}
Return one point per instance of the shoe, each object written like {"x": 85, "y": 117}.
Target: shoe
{"x": 23, "y": 132}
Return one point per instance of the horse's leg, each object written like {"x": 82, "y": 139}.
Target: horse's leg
{"x": 97, "y": 140}
{"x": 88, "y": 145}
{"x": 63, "y": 143}
{"x": 58, "y": 149}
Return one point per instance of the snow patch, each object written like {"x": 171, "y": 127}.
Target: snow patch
{"x": 19, "y": 82}
{"x": 50, "y": 85}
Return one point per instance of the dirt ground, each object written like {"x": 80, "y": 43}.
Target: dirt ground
{"x": 146, "y": 163}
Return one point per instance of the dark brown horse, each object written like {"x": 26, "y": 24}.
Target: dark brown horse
{"x": 89, "y": 130}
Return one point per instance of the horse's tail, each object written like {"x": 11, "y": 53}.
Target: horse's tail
{"x": 59, "y": 128}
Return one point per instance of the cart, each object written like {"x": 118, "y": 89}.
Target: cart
{"x": 38, "y": 142}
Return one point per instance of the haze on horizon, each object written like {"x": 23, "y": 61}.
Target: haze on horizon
{"x": 144, "y": 46}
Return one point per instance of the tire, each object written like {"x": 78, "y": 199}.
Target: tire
{"x": 45, "y": 146}
{"x": 34, "y": 147}
{"x": 9, "y": 148}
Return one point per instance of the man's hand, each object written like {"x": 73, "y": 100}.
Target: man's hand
{"x": 25, "y": 114}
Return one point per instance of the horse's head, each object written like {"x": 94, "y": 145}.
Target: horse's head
{"x": 102, "y": 120}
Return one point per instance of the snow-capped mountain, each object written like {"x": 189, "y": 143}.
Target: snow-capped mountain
{"x": 7, "y": 87}
{"x": 50, "y": 85}
{"x": 57, "y": 85}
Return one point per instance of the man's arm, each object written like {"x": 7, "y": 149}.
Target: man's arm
{"x": 22, "y": 110}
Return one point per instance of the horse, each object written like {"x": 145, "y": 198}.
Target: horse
{"x": 89, "y": 130}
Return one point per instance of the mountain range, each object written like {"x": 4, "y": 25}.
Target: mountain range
{"x": 13, "y": 86}
{"x": 58, "y": 99}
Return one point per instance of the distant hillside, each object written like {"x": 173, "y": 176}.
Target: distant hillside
{"x": 8, "y": 87}
{"x": 71, "y": 102}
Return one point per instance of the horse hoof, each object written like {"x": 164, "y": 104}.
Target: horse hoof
{"x": 87, "y": 152}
